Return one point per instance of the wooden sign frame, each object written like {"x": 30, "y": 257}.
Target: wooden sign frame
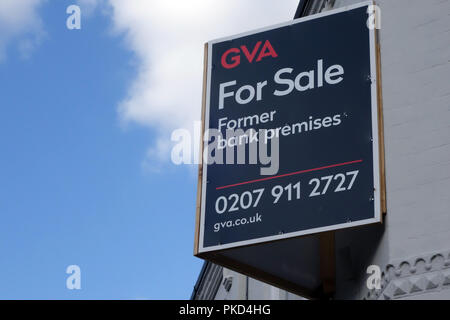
{"x": 327, "y": 265}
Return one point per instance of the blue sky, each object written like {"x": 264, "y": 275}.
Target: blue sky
{"x": 85, "y": 169}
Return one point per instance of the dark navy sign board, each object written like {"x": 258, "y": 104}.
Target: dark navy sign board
{"x": 328, "y": 175}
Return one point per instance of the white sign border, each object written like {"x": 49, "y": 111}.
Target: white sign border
{"x": 375, "y": 143}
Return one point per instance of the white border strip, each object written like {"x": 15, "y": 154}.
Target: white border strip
{"x": 292, "y": 22}
{"x": 376, "y": 164}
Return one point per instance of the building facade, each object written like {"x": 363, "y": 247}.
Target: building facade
{"x": 412, "y": 248}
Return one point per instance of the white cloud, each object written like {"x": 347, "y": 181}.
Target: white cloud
{"x": 19, "y": 20}
{"x": 88, "y": 6}
{"x": 168, "y": 37}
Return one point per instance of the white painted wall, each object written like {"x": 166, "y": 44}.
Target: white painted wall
{"x": 415, "y": 44}
{"x": 256, "y": 290}
{"x": 415, "y": 40}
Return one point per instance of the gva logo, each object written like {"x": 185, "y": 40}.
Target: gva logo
{"x": 232, "y": 57}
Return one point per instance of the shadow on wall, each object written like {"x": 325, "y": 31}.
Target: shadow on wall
{"x": 356, "y": 249}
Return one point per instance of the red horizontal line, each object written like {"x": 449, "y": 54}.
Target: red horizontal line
{"x": 289, "y": 174}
